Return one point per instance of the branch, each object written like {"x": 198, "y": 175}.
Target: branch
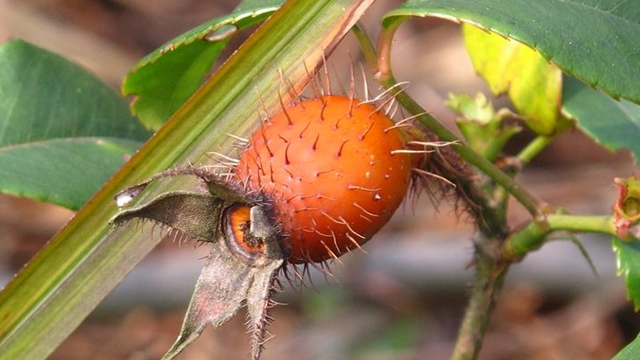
{"x": 534, "y": 235}
{"x": 487, "y": 285}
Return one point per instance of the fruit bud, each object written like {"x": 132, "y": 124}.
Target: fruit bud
{"x": 627, "y": 208}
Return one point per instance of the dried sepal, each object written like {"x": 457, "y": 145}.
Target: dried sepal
{"x": 193, "y": 214}
{"x": 246, "y": 250}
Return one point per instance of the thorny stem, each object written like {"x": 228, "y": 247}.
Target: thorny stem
{"x": 385, "y": 76}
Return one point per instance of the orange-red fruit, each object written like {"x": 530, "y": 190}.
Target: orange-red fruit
{"x": 329, "y": 166}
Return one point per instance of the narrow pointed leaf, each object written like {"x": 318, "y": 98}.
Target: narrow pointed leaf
{"x": 63, "y": 132}
{"x": 166, "y": 78}
{"x": 594, "y": 40}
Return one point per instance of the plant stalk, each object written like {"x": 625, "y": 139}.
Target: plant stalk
{"x": 487, "y": 286}
{"x": 534, "y": 235}
{"x": 534, "y": 148}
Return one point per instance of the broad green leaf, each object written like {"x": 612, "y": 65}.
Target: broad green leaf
{"x": 630, "y": 352}
{"x": 50, "y": 109}
{"x": 613, "y": 124}
{"x": 595, "y": 40}
{"x": 533, "y": 84}
{"x": 62, "y": 171}
{"x": 87, "y": 258}
{"x": 628, "y": 263}
{"x": 163, "y": 80}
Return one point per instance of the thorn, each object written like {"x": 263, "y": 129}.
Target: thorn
{"x": 283, "y": 139}
{"x": 305, "y": 129}
{"x": 361, "y": 137}
{"x": 242, "y": 140}
{"x": 314, "y": 86}
{"x": 331, "y": 253}
{"x": 324, "y": 106}
{"x": 339, "y": 154}
{"x": 326, "y": 73}
{"x": 292, "y": 92}
{"x": 392, "y": 103}
{"x": 381, "y": 106}
{"x": 386, "y": 92}
{"x": 356, "y": 244}
{"x": 263, "y": 106}
{"x": 352, "y": 85}
{"x": 335, "y": 242}
{"x": 366, "y": 84}
{"x": 355, "y": 187}
{"x": 434, "y": 143}
{"x": 429, "y": 174}
{"x": 365, "y": 210}
{"x": 393, "y": 112}
{"x": 284, "y": 109}
{"x": 351, "y": 229}
{"x": 228, "y": 158}
{"x": 317, "y": 174}
{"x": 286, "y": 155}
{"x": 266, "y": 142}
{"x": 408, "y": 151}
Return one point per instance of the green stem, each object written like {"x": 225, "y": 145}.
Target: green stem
{"x": 385, "y": 76}
{"x": 534, "y": 148}
{"x": 487, "y": 285}
{"x": 368, "y": 50}
{"x": 534, "y": 234}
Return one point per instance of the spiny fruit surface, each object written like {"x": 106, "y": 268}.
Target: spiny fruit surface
{"x": 329, "y": 166}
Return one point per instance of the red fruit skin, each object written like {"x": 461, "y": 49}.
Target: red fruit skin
{"x": 329, "y": 166}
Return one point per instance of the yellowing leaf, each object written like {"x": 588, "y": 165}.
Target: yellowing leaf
{"x": 533, "y": 84}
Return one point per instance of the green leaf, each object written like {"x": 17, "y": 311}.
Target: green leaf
{"x": 628, "y": 262}
{"x": 54, "y": 116}
{"x": 533, "y": 84}
{"x": 595, "y": 40}
{"x": 613, "y": 124}
{"x": 630, "y": 352}
{"x": 62, "y": 284}
{"x": 485, "y": 131}
{"x": 62, "y": 171}
{"x": 166, "y": 78}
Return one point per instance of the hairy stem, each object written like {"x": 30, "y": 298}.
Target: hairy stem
{"x": 487, "y": 285}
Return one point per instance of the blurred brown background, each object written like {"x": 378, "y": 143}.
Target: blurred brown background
{"x": 404, "y": 299}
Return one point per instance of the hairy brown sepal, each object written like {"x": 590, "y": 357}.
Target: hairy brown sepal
{"x": 233, "y": 274}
